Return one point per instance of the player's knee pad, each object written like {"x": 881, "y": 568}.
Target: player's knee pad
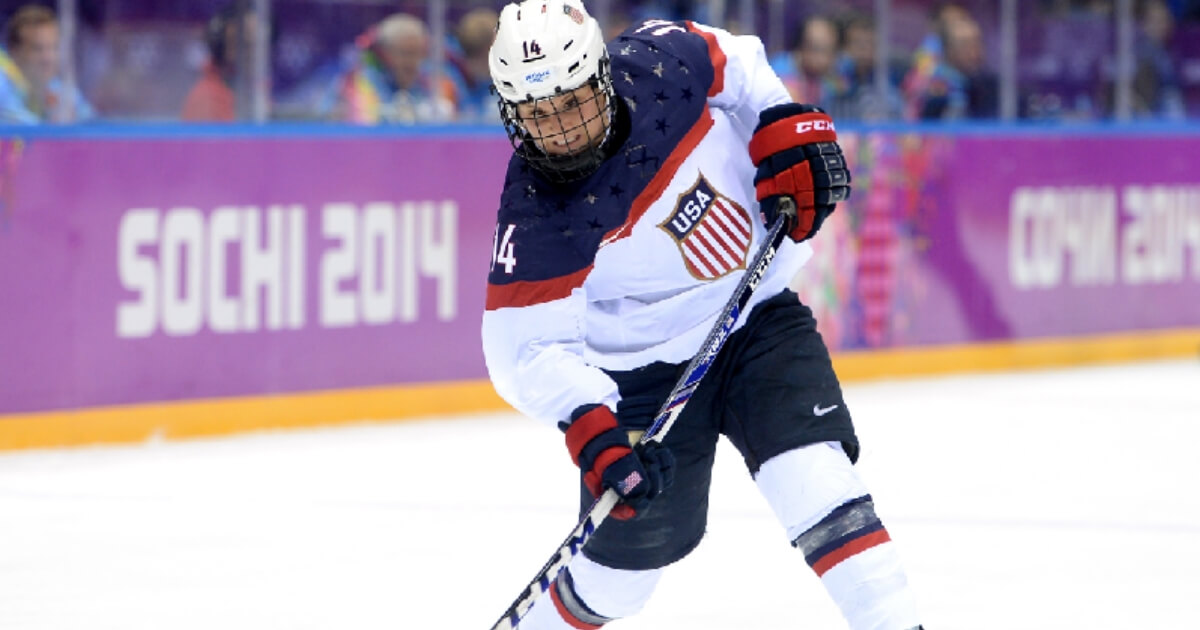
{"x": 595, "y": 594}
{"x": 805, "y": 485}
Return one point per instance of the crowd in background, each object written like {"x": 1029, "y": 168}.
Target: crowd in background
{"x": 377, "y": 62}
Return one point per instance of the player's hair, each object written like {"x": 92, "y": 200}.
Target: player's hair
{"x": 26, "y": 16}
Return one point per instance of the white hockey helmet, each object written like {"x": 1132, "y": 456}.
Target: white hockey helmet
{"x": 544, "y": 49}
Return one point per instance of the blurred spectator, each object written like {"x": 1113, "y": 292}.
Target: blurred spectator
{"x": 31, "y": 90}
{"x": 928, "y": 56}
{"x": 390, "y": 81}
{"x": 221, "y": 92}
{"x": 860, "y": 99}
{"x": 808, "y": 70}
{"x": 1156, "y": 90}
{"x": 468, "y": 66}
{"x": 961, "y": 86}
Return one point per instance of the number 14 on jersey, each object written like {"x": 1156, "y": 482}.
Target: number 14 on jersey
{"x": 502, "y": 249}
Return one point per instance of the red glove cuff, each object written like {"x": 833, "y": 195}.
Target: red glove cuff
{"x": 793, "y": 131}
{"x": 610, "y": 455}
{"x": 586, "y": 427}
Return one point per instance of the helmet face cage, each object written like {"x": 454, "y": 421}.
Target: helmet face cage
{"x": 564, "y": 123}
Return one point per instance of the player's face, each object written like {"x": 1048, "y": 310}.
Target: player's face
{"x": 566, "y": 123}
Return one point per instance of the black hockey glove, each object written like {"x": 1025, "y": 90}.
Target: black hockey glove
{"x": 796, "y": 151}
{"x": 601, "y": 449}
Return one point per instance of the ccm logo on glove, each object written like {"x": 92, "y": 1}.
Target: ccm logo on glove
{"x": 796, "y": 151}
{"x": 814, "y": 125}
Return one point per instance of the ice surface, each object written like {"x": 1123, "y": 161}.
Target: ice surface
{"x": 1045, "y": 499}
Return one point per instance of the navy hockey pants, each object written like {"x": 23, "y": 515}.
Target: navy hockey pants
{"x": 771, "y": 389}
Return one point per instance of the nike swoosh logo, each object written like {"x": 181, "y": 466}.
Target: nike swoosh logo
{"x": 818, "y": 410}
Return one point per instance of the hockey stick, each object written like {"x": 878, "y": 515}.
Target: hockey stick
{"x": 670, "y": 410}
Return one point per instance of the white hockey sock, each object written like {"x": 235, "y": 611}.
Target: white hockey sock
{"x": 560, "y": 609}
{"x": 819, "y": 498}
{"x": 851, "y": 552}
{"x": 587, "y": 595}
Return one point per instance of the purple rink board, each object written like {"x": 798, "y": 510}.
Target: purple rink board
{"x": 156, "y": 269}
{"x": 985, "y": 237}
{"x": 162, "y": 269}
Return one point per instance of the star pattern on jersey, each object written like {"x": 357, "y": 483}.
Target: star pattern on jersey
{"x": 686, "y": 94}
{"x": 661, "y": 125}
{"x": 627, "y": 50}
{"x": 657, "y": 69}
{"x": 615, "y": 190}
{"x": 661, "y": 97}
{"x": 637, "y": 156}
{"x": 632, "y": 103}
{"x": 590, "y": 199}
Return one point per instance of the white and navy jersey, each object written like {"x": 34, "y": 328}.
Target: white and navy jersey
{"x": 633, "y": 264}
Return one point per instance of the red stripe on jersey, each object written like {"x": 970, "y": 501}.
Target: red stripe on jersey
{"x": 720, "y": 263}
{"x": 738, "y": 219}
{"x": 858, "y": 545}
{"x": 699, "y": 262}
{"x": 662, "y": 178}
{"x": 718, "y": 59}
{"x": 530, "y": 292}
{"x": 730, "y": 252}
{"x": 731, "y": 222}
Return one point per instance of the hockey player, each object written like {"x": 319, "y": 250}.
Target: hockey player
{"x": 630, "y": 207}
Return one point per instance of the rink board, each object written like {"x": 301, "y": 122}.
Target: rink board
{"x": 201, "y": 418}
{"x": 177, "y": 285}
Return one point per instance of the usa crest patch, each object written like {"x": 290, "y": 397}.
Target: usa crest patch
{"x": 712, "y": 232}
